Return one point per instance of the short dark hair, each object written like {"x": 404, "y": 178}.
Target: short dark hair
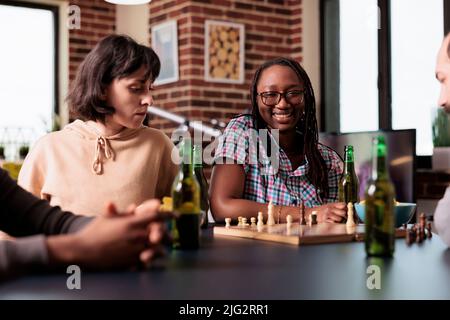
{"x": 115, "y": 56}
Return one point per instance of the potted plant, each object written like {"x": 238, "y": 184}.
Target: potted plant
{"x": 441, "y": 141}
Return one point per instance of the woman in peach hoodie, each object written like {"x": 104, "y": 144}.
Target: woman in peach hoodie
{"x": 107, "y": 153}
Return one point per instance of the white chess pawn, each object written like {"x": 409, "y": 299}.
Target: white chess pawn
{"x": 350, "y": 216}
{"x": 260, "y": 219}
{"x": 253, "y": 221}
{"x": 227, "y": 222}
{"x": 313, "y": 217}
{"x": 270, "y": 217}
{"x": 244, "y": 222}
{"x": 289, "y": 221}
{"x": 239, "y": 222}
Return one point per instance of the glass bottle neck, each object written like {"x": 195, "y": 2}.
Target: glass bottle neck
{"x": 186, "y": 158}
{"x": 349, "y": 167}
{"x": 349, "y": 164}
{"x": 379, "y": 163}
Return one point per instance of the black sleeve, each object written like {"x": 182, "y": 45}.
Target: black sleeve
{"x": 22, "y": 214}
{"x": 23, "y": 255}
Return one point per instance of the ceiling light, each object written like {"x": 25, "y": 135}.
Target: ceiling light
{"x": 130, "y": 2}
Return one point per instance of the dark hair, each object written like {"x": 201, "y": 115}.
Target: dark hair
{"x": 115, "y": 56}
{"x": 307, "y": 125}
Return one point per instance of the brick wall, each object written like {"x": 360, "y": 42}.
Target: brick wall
{"x": 98, "y": 19}
{"x": 272, "y": 28}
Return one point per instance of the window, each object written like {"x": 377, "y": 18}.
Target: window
{"x": 27, "y": 78}
{"x": 385, "y": 56}
{"x": 359, "y": 66}
{"x": 414, "y": 48}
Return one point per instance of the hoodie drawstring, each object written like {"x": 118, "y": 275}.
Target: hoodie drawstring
{"x": 101, "y": 144}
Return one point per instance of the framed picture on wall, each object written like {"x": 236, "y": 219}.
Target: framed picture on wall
{"x": 165, "y": 44}
{"x": 224, "y": 52}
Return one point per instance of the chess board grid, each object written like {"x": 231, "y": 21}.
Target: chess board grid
{"x": 299, "y": 234}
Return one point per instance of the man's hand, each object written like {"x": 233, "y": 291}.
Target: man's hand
{"x": 113, "y": 239}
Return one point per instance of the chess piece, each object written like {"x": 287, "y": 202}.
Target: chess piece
{"x": 289, "y": 220}
{"x": 253, "y": 221}
{"x": 244, "y": 222}
{"x": 409, "y": 237}
{"x": 270, "y": 212}
{"x": 279, "y": 214}
{"x": 430, "y": 235}
{"x": 313, "y": 217}
{"x": 227, "y": 222}
{"x": 302, "y": 216}
{"x": 413, "y": 234}
{"x": 239, "y": 222}
{"x": 422, "y": 220}
{"x": 260, "y": 219}
{"x": 419, "y": 237}
{"x": 350, "y": 216}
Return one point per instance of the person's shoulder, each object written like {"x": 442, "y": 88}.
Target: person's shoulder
{"x": 329, "y": 154}
{"x": 240, "y": 122}
{"x": 152, "y": 134}
{"x": 50, "y": 139}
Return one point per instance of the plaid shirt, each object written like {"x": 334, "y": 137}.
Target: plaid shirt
{"x": 273, "y": 178}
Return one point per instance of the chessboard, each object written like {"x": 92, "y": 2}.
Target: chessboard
{"x": 297, "y": 234}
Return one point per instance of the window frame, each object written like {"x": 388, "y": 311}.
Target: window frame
{"x": 56, "y": 59}
{"x": 330, "y": 110}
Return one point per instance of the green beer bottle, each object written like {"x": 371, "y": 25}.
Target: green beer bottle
{"x": 380, "y": 197}
{"x": 198, "y": 170}
{"x": 348, "y": 188}
{"x": 349, "y": 184}
{"x": 186, "y": 202}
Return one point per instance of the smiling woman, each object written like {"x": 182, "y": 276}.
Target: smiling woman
{"x": 298, "y": 170}
{"x": 107, "y": 152}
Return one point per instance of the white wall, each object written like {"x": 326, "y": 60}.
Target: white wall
{"x": 311, "y": 46}
{"x": 133, "y": 21}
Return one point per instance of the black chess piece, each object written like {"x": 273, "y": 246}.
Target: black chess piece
{"x": 430, "y": 234}
{"x": 302, "y": 217}
{"x": 409, "y": 237}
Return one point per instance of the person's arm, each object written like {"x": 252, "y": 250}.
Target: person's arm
{"x": 22, "y": 255}
{"x": 111, "y": 241}
{"x": 226, "y": 193}
{"x": 22, "y": 214}
{"x": 168, "y": 169}
{"x": 442, "y": 217}
{"x": 32, "y": 172}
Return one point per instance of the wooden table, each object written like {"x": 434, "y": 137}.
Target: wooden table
{"x": 234, "y": 268}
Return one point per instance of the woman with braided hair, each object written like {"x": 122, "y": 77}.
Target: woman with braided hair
{"x": 273, "y": 154}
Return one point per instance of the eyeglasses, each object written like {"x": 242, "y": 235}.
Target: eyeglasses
{"x": 272, "y": 98}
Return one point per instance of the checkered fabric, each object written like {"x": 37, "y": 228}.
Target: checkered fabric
{"x": 272, "y": 177}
